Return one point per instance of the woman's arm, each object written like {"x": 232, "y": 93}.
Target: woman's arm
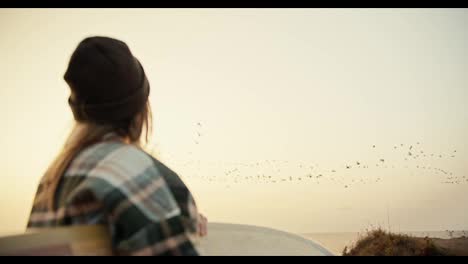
{"x": 148, "y": 222}
{"x": 143, "y": 215}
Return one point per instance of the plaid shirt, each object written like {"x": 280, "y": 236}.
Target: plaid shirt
{"x": 148, "y": 209}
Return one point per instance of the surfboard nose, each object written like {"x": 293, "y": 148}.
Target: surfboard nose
{"x": 245, "y": 240}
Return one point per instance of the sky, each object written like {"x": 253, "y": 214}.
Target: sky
{"x": 305, "y": 93}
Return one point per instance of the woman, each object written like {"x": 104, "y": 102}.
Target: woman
{"x": 102, "y": 176}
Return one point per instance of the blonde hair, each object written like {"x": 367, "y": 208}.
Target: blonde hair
{"x": 83, "y": 135}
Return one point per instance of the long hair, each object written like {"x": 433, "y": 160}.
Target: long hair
{"x": 85, "y": 134}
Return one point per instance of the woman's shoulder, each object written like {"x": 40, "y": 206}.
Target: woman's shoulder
{"x": 112, "y": 161}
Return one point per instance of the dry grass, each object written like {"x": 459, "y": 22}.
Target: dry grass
{"x": 381, "y": 243}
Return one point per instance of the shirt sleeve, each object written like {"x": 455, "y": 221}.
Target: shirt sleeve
{"x": 144, "y": 217}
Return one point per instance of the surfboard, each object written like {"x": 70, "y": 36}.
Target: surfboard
{"x": 86, "y": 240}
{"x": 245, "y": 240}
{"x": 222, "y": 240}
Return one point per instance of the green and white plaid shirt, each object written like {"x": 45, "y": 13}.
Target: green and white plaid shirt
{"x": 148, "y": 209}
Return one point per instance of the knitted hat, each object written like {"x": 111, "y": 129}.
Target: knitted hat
{"x": 108, "y": 84}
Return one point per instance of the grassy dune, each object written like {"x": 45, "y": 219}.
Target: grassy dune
{"x": 381, "y": 243}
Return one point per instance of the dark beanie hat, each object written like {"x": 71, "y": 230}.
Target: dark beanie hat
{"x": 108, "y": 84}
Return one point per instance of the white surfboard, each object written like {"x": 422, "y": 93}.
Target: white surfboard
{"x": 245, "y": 240}
{"x": 222, "y": 240}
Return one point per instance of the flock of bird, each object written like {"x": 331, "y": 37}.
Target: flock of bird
{"x": 198, "y": 134}
{"x": 412, "y": 156}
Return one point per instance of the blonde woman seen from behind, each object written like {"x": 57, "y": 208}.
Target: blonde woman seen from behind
{"x": 102, "y": 175}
